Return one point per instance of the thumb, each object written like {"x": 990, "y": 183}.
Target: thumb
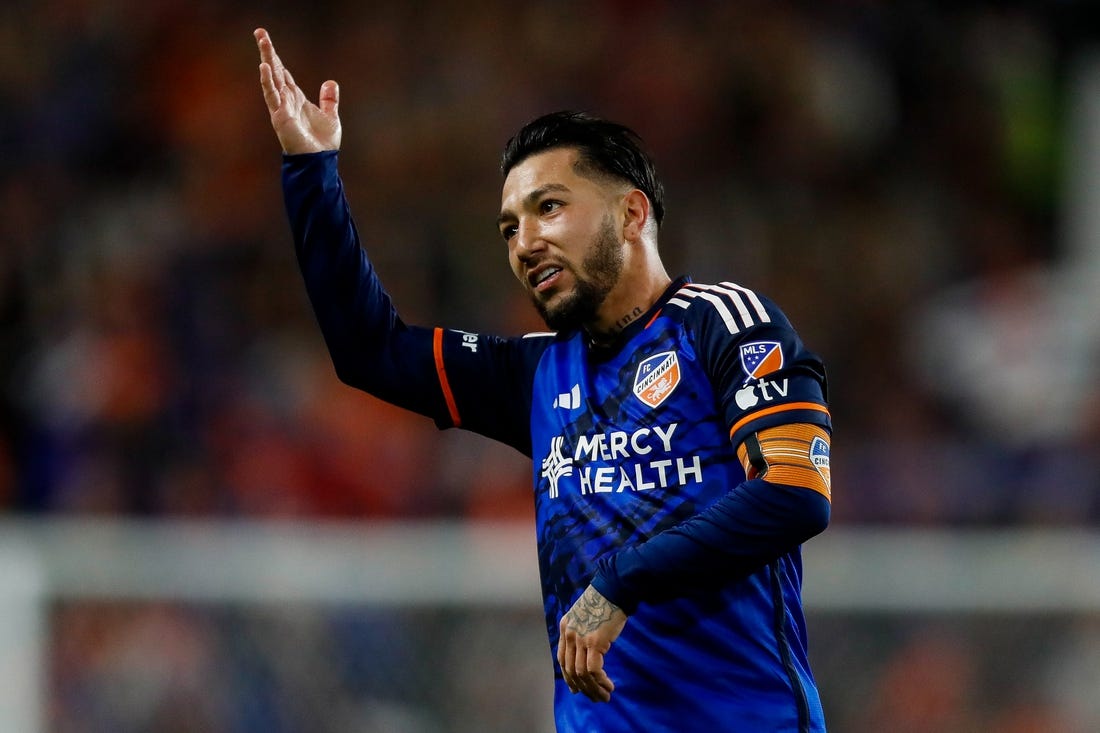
{"x": 329, "y": 98}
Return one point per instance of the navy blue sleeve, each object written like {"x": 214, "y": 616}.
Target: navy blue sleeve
{"x": 488, "y": 383}
{"x": 458, "y": 379}
{"x": 371, "y": 348}
{"x": 762, "y": 377}
{"x": 751, "y": 526}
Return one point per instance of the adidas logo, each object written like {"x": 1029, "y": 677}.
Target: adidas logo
{"x": 570, "y": 400}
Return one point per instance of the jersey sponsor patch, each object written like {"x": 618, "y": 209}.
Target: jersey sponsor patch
{"x": 656, "y": 378}
{"x": 761, "y": 358}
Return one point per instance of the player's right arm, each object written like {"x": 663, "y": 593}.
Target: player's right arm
{"x": 477, "y": 382}
{"x": 369, "y": 346}
{"x": 473, "y": 381}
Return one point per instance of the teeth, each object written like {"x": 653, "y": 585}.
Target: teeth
{"x": 546, "y": 274}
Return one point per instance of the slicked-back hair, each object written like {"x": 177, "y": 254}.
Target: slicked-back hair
{"x": 603, "y": 149}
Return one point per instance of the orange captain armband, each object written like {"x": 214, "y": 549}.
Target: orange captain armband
{"x": 794, "y": 455}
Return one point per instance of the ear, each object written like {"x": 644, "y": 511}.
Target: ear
{"x": 636, "y": 212}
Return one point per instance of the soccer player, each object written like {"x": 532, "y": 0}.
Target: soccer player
{"x": 679, "y": 432}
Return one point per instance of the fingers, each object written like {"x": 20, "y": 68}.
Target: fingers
{"x": 271, "y": 95}
{"x": 594, "y": 664}
{"x": 271, "y": 71}
{"x": 267, "y": 52}
{"x": 300, "y": 125}
{"x": 566, "y": 659}
{"x": 280, "y": 76}
{"x": 586, "y": 633}
{"x": 329, "y": 98}
{"x": 266, "y": 49}
{"x": 590, "y": 677}
{"x": 582, "y": 666}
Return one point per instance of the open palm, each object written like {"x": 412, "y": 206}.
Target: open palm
{"x": 300, "y": 125}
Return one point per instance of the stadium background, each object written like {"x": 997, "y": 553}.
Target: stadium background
{"x": 914, "y": 182}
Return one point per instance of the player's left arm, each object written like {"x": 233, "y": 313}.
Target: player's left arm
{"x": 783, "y": 443}
{"x": 754, "y": 524}
{"x": 783, "y": 504}
{"x": 757, "y": 522}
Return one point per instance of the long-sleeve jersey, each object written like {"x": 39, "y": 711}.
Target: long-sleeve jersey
{"x": 637, "y": 485}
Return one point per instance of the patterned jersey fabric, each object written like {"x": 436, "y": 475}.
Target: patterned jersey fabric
{"x": 634, "y": 458}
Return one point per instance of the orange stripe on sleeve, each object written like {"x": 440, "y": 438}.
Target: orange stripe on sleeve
{"x": 773, "y": 410}
{"x": 448, "y": 395}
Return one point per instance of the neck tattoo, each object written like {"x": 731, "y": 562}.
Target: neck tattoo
{"x": 605, "y": 338}
{"x": 626, "y": 320}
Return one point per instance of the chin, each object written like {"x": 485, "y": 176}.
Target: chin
{"x": 566, "y": 313}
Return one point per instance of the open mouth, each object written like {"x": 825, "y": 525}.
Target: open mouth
{"x": 544, "y": 278}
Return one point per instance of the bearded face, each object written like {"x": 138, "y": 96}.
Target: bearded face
{"x": 564, "y": 235}
{"x": 598, "y": 273}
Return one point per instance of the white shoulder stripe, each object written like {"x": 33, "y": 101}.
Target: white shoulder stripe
{"x": 722, "y": 297}
{"x": 727, "y": 317}
{"x": 719, "y": 305}
{"x": 753, "y": 300}
{"x": 738, "y": 303}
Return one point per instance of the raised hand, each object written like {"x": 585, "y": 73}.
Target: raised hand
{"x": 300, "y": 125}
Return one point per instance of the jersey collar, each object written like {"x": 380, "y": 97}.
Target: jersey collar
{"x": 606, "y": 349}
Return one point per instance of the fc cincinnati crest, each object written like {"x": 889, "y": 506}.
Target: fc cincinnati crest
{"x": 819, "y": 455}
{"x": 657, "y": 377}
{"x": 760, "y": 358}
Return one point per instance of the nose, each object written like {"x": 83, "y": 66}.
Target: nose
{"x": 528, "y": 239}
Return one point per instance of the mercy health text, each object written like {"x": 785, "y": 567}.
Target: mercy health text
{"x": 593, "y": 452}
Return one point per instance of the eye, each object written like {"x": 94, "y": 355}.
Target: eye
{"x": 549, "y": 205}
{"x": 508, "y": 231}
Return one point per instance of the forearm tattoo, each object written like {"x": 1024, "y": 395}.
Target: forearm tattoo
{"x": 590, "y": 612}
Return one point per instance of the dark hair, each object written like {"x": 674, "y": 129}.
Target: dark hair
{"x": 604, "y": 148}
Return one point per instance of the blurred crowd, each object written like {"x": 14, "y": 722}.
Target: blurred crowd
{"x": 896, "y": 175}
{"x": 292, "y": 670}
{"x": 893, "y": 174}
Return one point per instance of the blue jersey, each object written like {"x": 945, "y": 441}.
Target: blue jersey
{"x": 637, "y": 486}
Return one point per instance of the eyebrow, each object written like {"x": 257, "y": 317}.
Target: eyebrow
{"x": 530, "y": 199}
